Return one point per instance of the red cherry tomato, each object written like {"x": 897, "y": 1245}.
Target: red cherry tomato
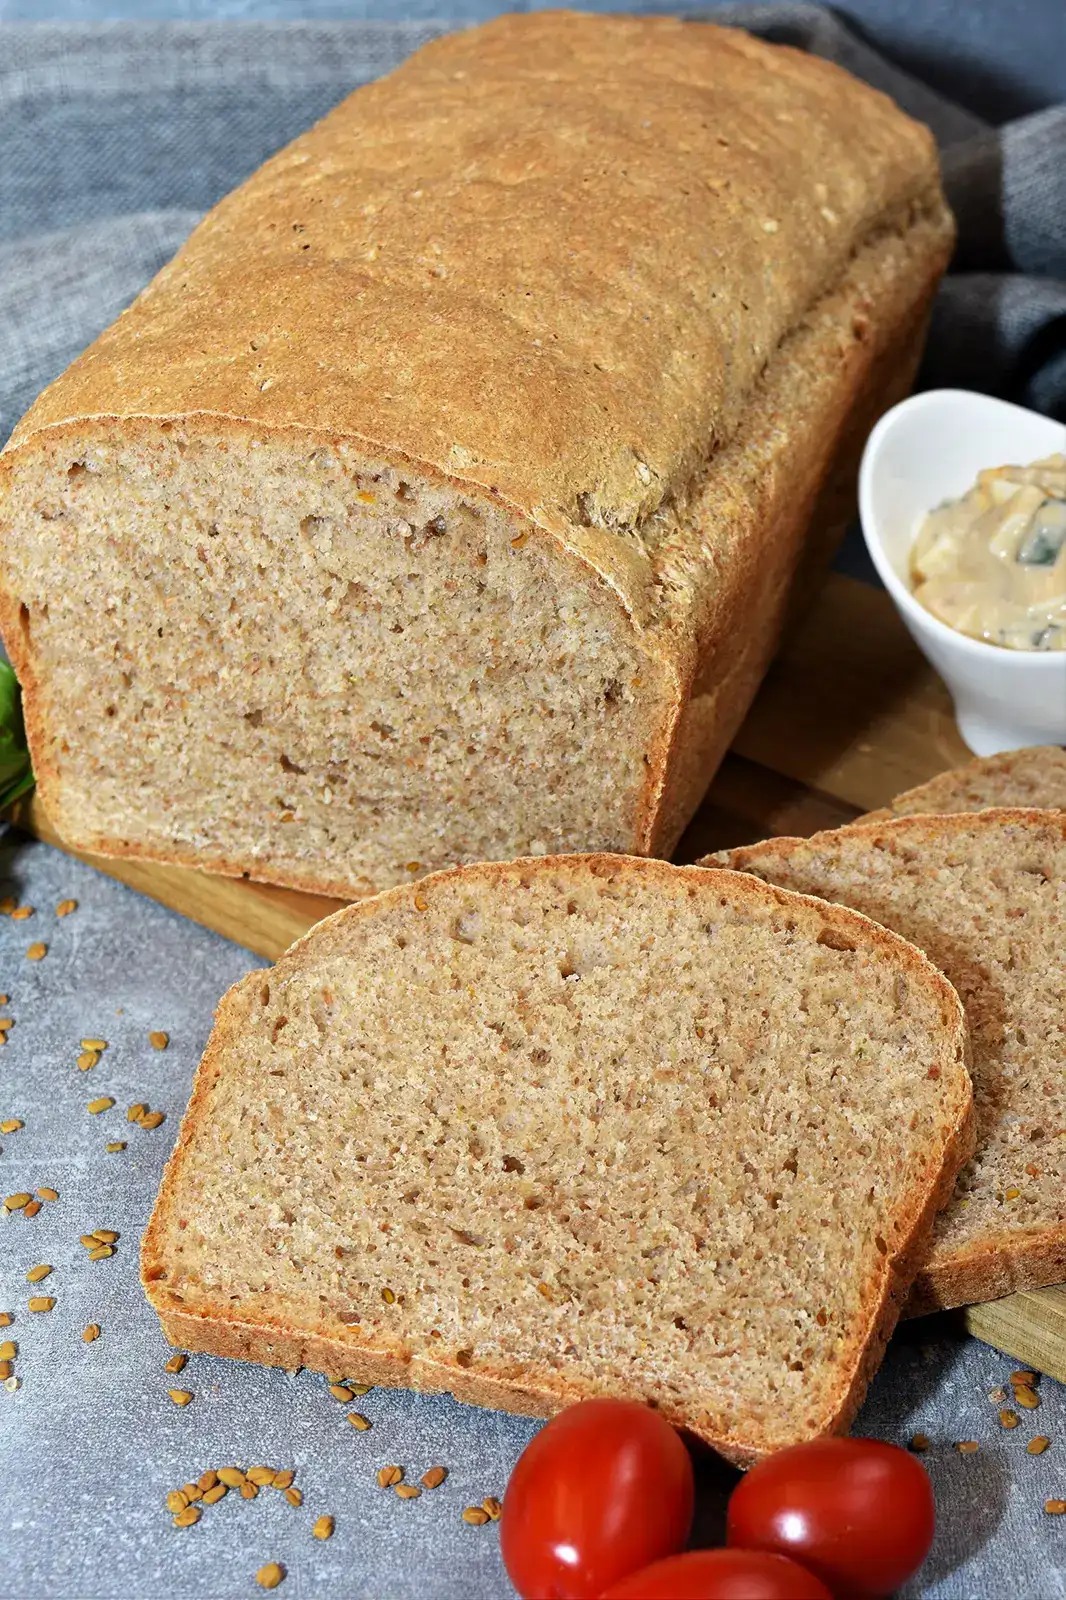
{"x": 721, "y": 1575}
{"x": 857, "y": 1512}
{"x": 604, "y": 1489}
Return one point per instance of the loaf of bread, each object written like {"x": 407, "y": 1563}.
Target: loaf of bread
{"x": 441, "y": 499}
{"x": 555, "y": 1128}
{"x": 984, "y": 896}
{"x": 1031, "y": 778}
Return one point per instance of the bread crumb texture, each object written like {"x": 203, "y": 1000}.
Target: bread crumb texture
{"x": 984, "y": 896}
{"x": 553, "y": 1129}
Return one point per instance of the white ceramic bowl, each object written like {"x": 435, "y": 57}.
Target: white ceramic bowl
{"x": 928, "y": 449}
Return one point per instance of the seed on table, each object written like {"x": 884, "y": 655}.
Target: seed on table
{"x": 21, "y": 913}
{"x": 282, "y": 1480}
{"x": 387, "y": 1476}
{"x": 180, "y": 1397}
{"x": 40, "y": 1302}
{"x": 476, "y": 1516}
{"x": 5, "y": 1369}
{"x": 106, "y": 1235}
{"x": 207, "y": 1480}
{"x": 492, "y": 1506}
{"x": 339, "y": 1392}
{"x": 175, "y": 1364}
{"x": 1024, "y": 1396}
{"x": 101, "y": 1252}
{"x": 186, "y": 1518}
{"x": 434, "y": 1477}
{"x": 357, "y": 1420}
{"x": 104, "y": 1103}
{"x": 966, "y": 1447}
{"x": 1023, "y": 1376}
{"x": 11, "y": 1125}
{"x": 15, "y": 1202}
{"x": 214, "y": 1495}
{"x": 407, "y": 1491}
{"x": 1055, "y": 1508}
{"x": 32, "y": 1209}
{"x": 116, "y": 1145}
{"x": 1037, "y": 1446}
{"x": 153, "y": 1119}
{"x": 8, "y": 1350}
{"x": 176, "y": 1502}
{"x": 87, "y": 1060}
{"x": 38, "y": 1274}
{"x": 158, "y": 1040}
{"x": 65, "y": 907}
{"x": 248, "y": 1490}
{"x": 263, "y": 1476}
{"x": 6, "y": 1022}
{"x": 95, "y": 1045}
{"x": 1009, "y": 1419}
{"x": 89, "y": 1240}
{"x": 323, "y": 1527}
{"x": 191, "y": 1491}
{"x": 92, "y": 1332}
{"x": 36, "y": 951}
{"x": 135, "y": 1112}
{"x": 48, "y": 1194}
{"x": 360, "y": 1388}
{"x": 6, "y": 1318}
{"x": 271, "y": 1575}
{"x": 294, "y": 1497}
{"x": 232, "y": 1477}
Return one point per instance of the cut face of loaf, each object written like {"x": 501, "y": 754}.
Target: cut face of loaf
{"x": 443, "y": 498}
{"x": 1030, "y": 778}
{"x": 589, "y": 1125}
{"x": 984, "y": 896}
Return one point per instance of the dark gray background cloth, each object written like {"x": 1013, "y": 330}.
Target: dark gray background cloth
{"x": 113, "y": 141}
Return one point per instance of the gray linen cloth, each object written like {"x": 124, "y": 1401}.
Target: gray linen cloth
{"x": 113, "y": 141}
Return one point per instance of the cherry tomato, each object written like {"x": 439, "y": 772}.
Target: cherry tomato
{"x": 721, "y": 1575}
{"x": 857, "y": 1512}
{"x": 605, "y": 1488}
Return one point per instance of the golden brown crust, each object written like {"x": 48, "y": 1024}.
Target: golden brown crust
{"x": 1040, "y": 767}
{"x": 542, "y": 1391}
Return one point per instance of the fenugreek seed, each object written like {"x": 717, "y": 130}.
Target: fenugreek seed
{"x": 135, "y": 1112}
{"x": 1055, "y": 1508}
{"x": 5, "y": 1369}
{"x": 476, "y": 1516}
{"x": 294, "y": 1497}
{"x": 6, "y": 1319}
{"x": 1026, "y": 1397}
{"x": 1037, "y": 1446}
{"x": 176, "y": 1502}
{"x": 263, "y": 1476}
{"x": 180, "y": 1397}
{"x": 8, "y": 1350}
{"x": 388, "y": 1296}
{"x": 421, "y": 903}
{"x": 339, "y": 1392}
{"x": 11, "y": 1125}
{"x": 15, "y": 1202}
{"x": 282, "y": 1480}
{"x": 65, "y": 907}
{"x": 158, "y": 1040}
{"x": 36, "y": 951}
{"x": 407, "y": 1491}
{"x": 1009, "y": 1419}
{"x": 38, "y": 1274}
{"x": 96, "y": 1045}
{"x": 966, "y": 1447}
{"x": 106, "y": 1235}
{"x": 357, "y": 1420}
{"x": 323, "y": 1527}
{"x": 493, "y": 1507}
{"x": 48, "y": 1194}
{"x": 87, "y": 1060}
{"x": 1024, "y": 1377}
{"x": 32, "y": 1209}
{"x": 192, "y": 1492}
{"x": 387, "y": 1476}
{"x": 271, "y": 1575}
{"x": 89, "y": 1240}
{"x": 176, "y": 1364}
{"x": 21, "y": 913}
{"x": 208, "y": 1480}
{"x": 434, "y": 1477}
{"x": 6, "y": 1022}
{"x": 153, "y": 1119}
{"x": 104, "y": 1103}
{"x": 40, "y": 1302}
{"x": 232, "y": 1477}
{"x": 248, "y": 1490}
{"x": 115, "y": 1146}
{"x": 101, "y": 1253}
{"x": 214, "y": 1495}
{"x": 92, "y": 1332}
{"x": 186, "y": 1518}
{"x": 360, "y": 1388}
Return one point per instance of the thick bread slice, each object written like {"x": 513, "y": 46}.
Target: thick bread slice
{"x": 1034, "y": 777}
{"x": 442, "y": 499}
{"x": 984, "y": 895}
{"x": 566, "y": 1127}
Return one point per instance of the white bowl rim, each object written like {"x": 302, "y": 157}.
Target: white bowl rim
{"x": 964, "y": 643}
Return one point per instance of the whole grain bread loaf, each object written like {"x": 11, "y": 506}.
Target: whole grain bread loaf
{"x": 575, "y": 1126}
{"x": 1033, "y": 778}
{"x": 984, "y": 896}
{"x": 441, "y": 499}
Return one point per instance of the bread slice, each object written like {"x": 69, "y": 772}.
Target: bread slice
{"x": 984, "y": 895}
{"x": 566, "y": 1127}
{"x": 1034, "y": 777}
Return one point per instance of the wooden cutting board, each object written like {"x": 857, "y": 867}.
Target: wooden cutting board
{"x": 849, "y": 715}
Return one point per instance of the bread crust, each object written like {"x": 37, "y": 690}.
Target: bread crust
{"x": 959, "y": 789}
{"x": 527, "y": 1390}
{"x": 745, "y": 419}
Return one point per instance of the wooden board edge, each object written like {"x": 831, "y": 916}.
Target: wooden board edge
{"x": 1030, "y": 1326}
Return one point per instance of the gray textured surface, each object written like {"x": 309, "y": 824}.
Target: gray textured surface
{"x": 90, "y": 1444}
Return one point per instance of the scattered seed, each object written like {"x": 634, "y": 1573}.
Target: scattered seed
{"x": 180, "y": 1397}
{"x": 248, "y": 1490}
{"x": 966, "y": 1447}
{"x": 176, "y": 1502}
{"x": 186, "y": 1518}
{"x": 48, "y": 1194}
{"x": 5, "y": 1369}
{"x": 38, "y": 1274}
{"x": 40, "y": 1302}
{"x": 159, "y": 1040}
{"x": 92, "y": 1332}
{"x": 191, "y": 1491}
{"x": 116, "y": 1145}
{"x": 5, "y": 1022}
{"x": 6, "y": 1319}
{"x": 476, "y": 1516}
{"x": 323, "y": 1527}
{"x": 107, "y": 1235}
{"x": 294, "y": 1497}
{"x": 135, "y": 1112}
{"x": 175, "y": 1364}
{"x": 87, "y": 1060}
{"x": 36, "y": 951}
{"x": 207, "y": 1480}
{"x": 388, "y": 1296}
{"x": 8, "y": 1350}
{"x": 357, "y": 1420}
{"x": 1025, "y": 1377}
{"x": 65, "y": 907}
{"x": 101, "y": 1252}
{"x": 1024, "y": 1396}
{"x": 153, "y": 1119}
{"x": 360, "y": 1388}
{"x": 407, "y": 1491}
{"x": 282, "y": 1480}
{"x": 97, "y": 1046}
{"x": 271, "y": 1575}
{"x": 232, "y": 1477}
{"x": 21, "y": 913}
{"x": 1055, "y": 1508}
{"x": 11, "y": 1125}
{"x": 214, "y": 1495}
{"x": 1037, "y": 1446}
{"x": 104, "y": 1103}
{"x": 434, "y": 1477}
{"x": 32, "y": 1209}
{"x": 339, "y": 1392}
{"x": 263, "y": 1476}
{"x": 1009, "y": 1419}
{"x": 387, "y": 1476}
{"x": 492, "y": 1506}
{"x": 89, "y": 1240}
{"x": 15, "y": 1202}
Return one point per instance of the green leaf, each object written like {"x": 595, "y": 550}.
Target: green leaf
{"x": 16, "y": 773}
